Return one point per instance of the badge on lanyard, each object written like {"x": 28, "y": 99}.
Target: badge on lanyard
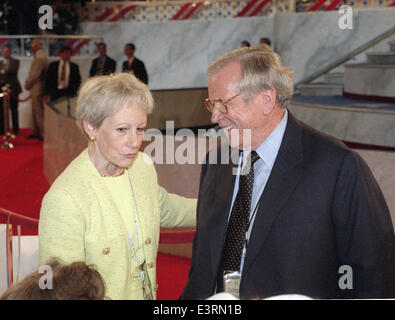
{"x": 232, "y": 282}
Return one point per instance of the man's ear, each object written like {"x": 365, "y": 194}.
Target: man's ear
{"x": 89, "y": 128}
{"x": 268, "y": 100}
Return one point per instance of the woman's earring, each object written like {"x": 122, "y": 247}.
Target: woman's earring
{"x": 92, "y": 137}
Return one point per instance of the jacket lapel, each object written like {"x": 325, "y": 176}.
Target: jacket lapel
{"x": 284, "y": 177}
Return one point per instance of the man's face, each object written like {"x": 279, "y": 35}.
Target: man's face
{"x": 129, "y": 51}
{"x": 6, "y": 52}
{"x": 242, "y": 119}
{"x": 65, "y": 55}
{"x": 102, "y": 50}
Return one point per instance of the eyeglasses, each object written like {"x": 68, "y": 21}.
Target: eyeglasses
{"x": 222, "y": 105}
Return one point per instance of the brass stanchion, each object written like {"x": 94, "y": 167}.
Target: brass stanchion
{"x": 5, "y": 94}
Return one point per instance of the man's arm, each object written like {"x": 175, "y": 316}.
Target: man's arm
{"x": 35, "y": 72}
{"x": 77, "y": 79}
{"x": 365, "y": 238}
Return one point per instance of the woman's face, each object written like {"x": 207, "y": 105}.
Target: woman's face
{"x": 120, "y": 136}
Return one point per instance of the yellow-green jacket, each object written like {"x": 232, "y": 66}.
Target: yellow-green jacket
{"x": 87, "y": 217}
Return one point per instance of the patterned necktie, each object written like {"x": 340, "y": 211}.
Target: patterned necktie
{"x": 63, "y": 73}
{"x": 235, "y": 233}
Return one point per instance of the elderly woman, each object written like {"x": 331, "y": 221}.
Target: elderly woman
{"x": 106, "y": 208}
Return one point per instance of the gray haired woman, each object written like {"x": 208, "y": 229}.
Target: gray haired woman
{"x": 106, "y": 208}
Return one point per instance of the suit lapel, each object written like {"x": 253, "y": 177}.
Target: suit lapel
{"x": 284, "y": 177}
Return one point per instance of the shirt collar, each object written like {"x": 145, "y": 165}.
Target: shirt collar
{"x": 268, "y": 149}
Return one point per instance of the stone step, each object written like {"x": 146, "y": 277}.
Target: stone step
{"x": 334, "y": 77}
{"x": 381, "y": 57}
{"x": 370, "y": 79}
{"x": 321, "y": 89}
{"x": 392, "y": 46}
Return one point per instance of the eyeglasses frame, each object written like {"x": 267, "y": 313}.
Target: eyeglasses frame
{"x": 210, "y": 104}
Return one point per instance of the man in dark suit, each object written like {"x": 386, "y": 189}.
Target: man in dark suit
{"x": 103, "y": 64}
{"x": 133, "y": 64}
{"x": 9, "y": 75}
{"x": 306, "y": 217}
{"x": 63, "y": 77}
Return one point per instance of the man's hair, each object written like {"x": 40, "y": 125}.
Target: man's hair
{"x": 76, "y": 281}
{"x": 261, "y": 69}
{"x": 36, "y": 42}
{"x": 66, "y": 48}
{"x": 265, "y": 41}
{"x": 103, "y": 96}
{"x": 101, "y": 44}
{"x": 8, "y": 46}
{"x": 131, "y": 46}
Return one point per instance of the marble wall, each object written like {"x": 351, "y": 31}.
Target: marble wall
{"x": 312, "y": 40}
{"x": 177, "y": 53}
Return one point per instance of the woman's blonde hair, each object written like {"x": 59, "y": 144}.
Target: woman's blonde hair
{"x": 261, "y": 69}
{"x": 102, "y": 96}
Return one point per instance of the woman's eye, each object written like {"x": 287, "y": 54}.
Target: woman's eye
{"x": 142, "y": 129}
{"x": 121, "y": 130}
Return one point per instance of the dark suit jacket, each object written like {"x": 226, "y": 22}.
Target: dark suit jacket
{"x": 321, "y": 209}
{"x": 11, "y": 76}
{"x": 109, "y": 66}
{"x": 51, "y": 84}
{"x": 138, "y": 69}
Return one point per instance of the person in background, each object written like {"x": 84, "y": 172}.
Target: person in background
{"x": 9, "y": 75}
{"x": 107, "y": 207}
{"x": 134, "y": 64}
{"x": 103, "y": 64}
{"x": 63, "y": 77}
{"x": 265, "y": 42}
{"x": 57, "y": 281}
{"x": 307, "y": 217}
{"x": 36, "y": 83}
{"x": 245, "y": 44}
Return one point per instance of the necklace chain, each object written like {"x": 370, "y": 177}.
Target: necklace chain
{"x": 116, "y": 175}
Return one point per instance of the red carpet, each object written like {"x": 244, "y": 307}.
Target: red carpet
{"x": 23, "y": 184}
{"x": 22, "y": 181}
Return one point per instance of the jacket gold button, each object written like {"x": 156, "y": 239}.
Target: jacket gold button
{"x": 148, "y": 241}
{"x": 150, "y": 265}
{"x": 106, "y": 250}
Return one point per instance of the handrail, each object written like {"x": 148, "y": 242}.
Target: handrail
{"x": 48, "y": 36}
{"x": 348, "y": 56}
{"x": 15, "y": 218}
{"x": 76, "y": 42}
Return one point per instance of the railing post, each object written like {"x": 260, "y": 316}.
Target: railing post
{"x": 10, "y": 277}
